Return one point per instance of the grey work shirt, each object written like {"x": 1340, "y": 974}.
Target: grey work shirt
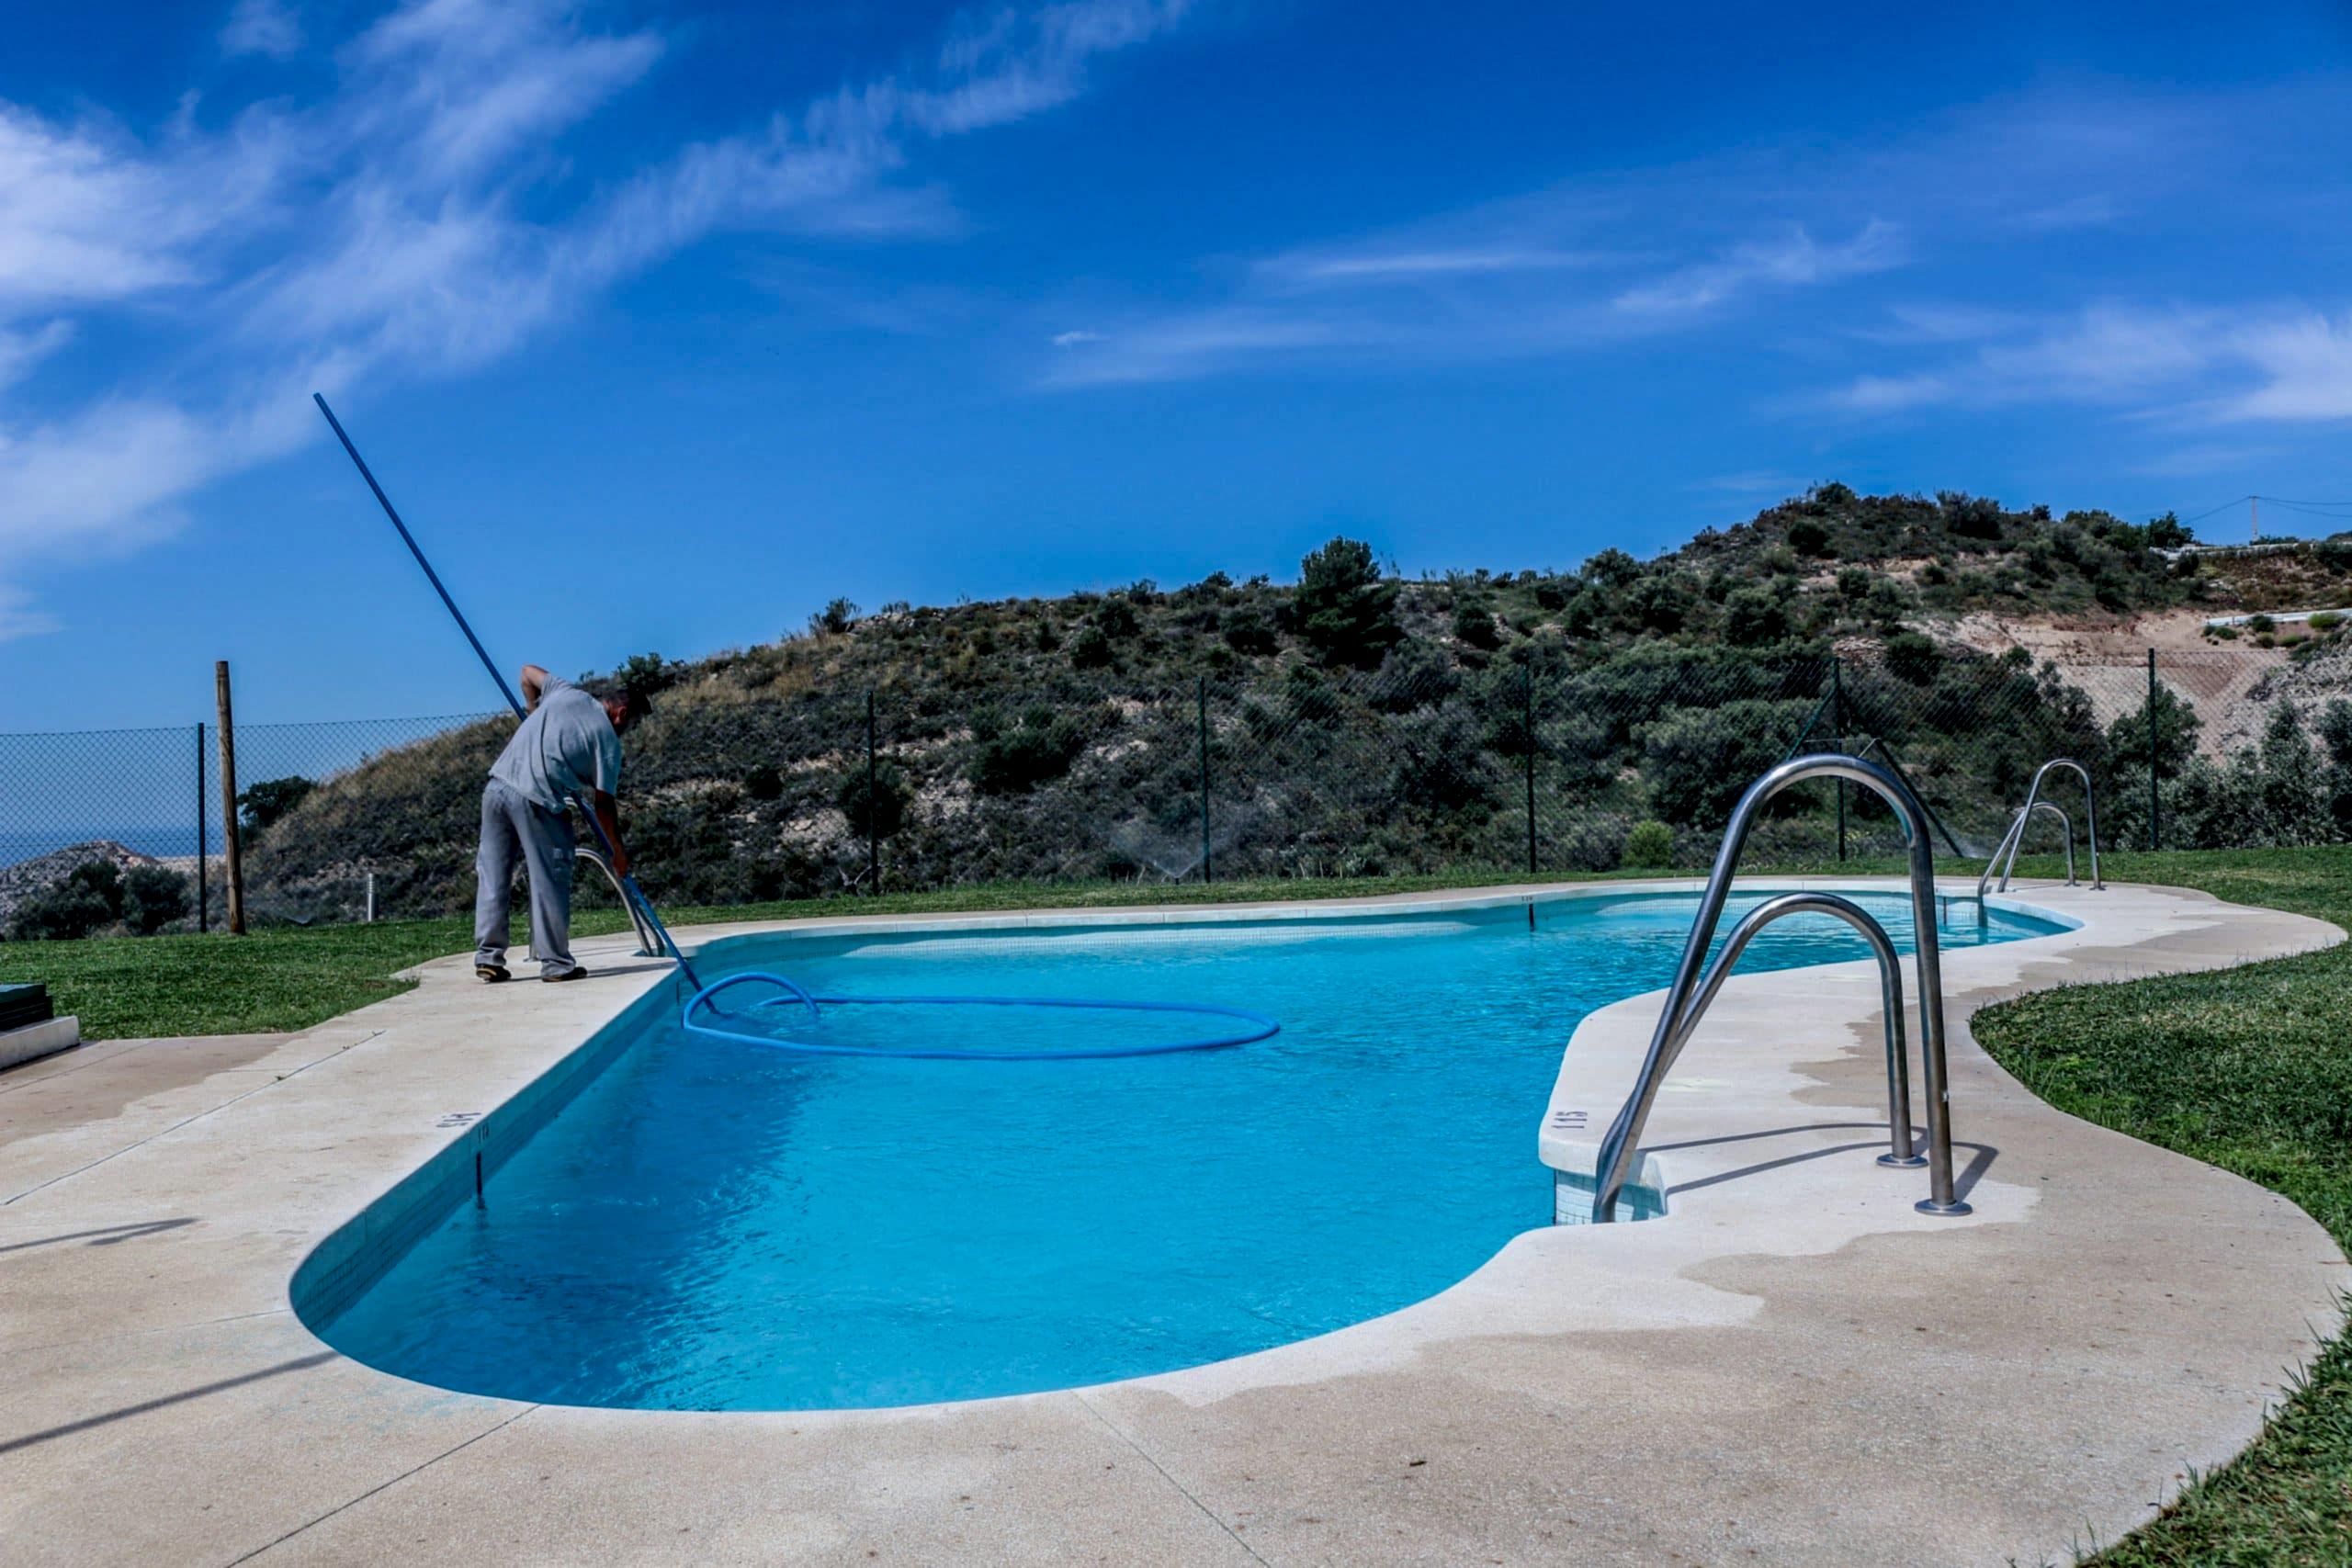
{"x": 566, "y": 746}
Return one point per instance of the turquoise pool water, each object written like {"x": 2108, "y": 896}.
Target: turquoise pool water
{"x": 715, "y": 1226}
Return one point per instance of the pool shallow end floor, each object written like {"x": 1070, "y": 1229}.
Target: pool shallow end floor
{"x": 1792, "y": 1366}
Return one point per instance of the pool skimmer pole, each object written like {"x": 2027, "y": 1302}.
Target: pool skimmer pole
{"x": 629, "y": 884}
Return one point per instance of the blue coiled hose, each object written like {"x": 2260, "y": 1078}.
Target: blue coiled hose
{"x": 1259, "y": 1026}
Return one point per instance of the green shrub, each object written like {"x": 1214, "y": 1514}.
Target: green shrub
{"x": 1473, "y": 624}
{"x": 1036, "y": 750}
{"x": 764, "y": 783}
{"x": 152, "y": 898}
{"x": 1247, "y": 630}
{"x": 1808, "y": 536}
{"x": 1649, "y": 845}
{"x": 85, "y": 899}
{"x": 1414, "y": 674}
{"x": 1090, "y": 648}
{"x": 1696, "y": 761}
{"x": 1117, "y": 615}
{"x": 2327, "y": 621}
{"x": 838, "y": 616}
{"x": 2177, "y": 729}
{"x": 1755, "y": 615}
{"x": 1913, "y": 656}
{"x": 644, "y": 675}
{"x": 879, "y": 812}
{"x": 1612, "y": 568}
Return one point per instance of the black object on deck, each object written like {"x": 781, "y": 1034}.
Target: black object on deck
{"x": 24, "y": 1005}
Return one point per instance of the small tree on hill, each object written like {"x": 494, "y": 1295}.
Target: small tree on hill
{"x": 1343, "y": 609}
{"x": 838, "y": 616}
{"x": 2176, "y": 729}
{"x": 269, "y": 800}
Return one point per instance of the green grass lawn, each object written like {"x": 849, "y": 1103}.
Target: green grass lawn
{"x": 2250, "y": 1070}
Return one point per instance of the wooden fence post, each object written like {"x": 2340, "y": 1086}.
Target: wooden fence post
{"x": 229, "y": 841}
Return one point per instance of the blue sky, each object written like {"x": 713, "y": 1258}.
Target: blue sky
{"x": 665, "y": 324}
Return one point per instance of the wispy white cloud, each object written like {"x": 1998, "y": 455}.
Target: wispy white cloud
{"x": 1754, "y": 481}
{"x": 2186, "y": 366}
{"x": 2197, "y": 460}
{"x": 21, "y": 350}
{"x": 1793, "y": 244}
{"x": 87, "y": 217}
{"x": 1419, "y": 266}
{"x": 261, "y": 26}
{"x": 2303, "y": 362}
{"x": 1922, "y": 322}
{"x": 1789, "y": 260}
{"x": 416, "y": 220}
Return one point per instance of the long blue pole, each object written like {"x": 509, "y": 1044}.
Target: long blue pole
{"x": 627, "y": 883}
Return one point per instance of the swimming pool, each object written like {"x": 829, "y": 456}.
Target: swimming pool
{"x": 718, "y": 1226}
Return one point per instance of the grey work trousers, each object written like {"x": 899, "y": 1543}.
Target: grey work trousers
{"x": 511, "y": 824}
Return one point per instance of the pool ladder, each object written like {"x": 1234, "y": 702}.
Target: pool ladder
{"x": 2015, "y": 836}
{"x": 1696, "y": 982}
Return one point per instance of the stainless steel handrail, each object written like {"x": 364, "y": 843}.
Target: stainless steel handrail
{"x": 2015, "y": 836}
{"x": 2066, "y": 826}
{"x": 649, "y": 945}
{"x": 1694, "y": 985}
{"x": 1899, "y": 1152}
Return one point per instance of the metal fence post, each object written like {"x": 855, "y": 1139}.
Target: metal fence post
{"x": 1527, "y": 705}
{"x": 873, "y": 810}
{"x": 1201, "y": 698}
{"x": 2152, "y": 749}
{"x": 1837, "y": 730}
{"x": 203, "y": 822}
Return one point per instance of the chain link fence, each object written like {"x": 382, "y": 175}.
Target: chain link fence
{"x": 146, "y": 805}
{"x": 752, "y": 784}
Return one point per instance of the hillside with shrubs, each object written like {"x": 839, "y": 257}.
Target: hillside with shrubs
{"x": 1355, "y": 723}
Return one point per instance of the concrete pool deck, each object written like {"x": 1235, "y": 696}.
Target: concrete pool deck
{"x": 1791, "y": 1366}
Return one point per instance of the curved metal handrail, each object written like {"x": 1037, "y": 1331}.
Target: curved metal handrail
{"x": 1898, "y": 1078}
{"x": 1684, "y": 1001}
{"x": 648, "y": 944}
{"x": 2015, "y": 836}
{"x": 2066, "y": 826}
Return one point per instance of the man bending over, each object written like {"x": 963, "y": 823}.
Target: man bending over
{"x": 569, "y": 744}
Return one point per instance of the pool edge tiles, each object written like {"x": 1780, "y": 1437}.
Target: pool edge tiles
{"x": 359, "y": 1253}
